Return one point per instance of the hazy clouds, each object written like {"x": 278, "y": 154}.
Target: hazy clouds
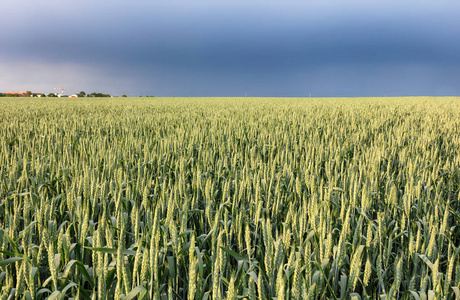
{"x": 202, "y": 48}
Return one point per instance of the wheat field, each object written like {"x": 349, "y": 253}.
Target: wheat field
{"x": 230, "y": 198}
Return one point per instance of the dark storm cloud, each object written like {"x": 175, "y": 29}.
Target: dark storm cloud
{"x": 272, "y": 51}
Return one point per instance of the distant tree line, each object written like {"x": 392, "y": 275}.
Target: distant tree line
{"x": 81, "y": 94}
{"x": 95, "y": 94}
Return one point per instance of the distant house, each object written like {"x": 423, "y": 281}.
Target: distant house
{"x": 62, "y": 96}
{"x": 17, "y": 94}
{"x": 73, "y": 96}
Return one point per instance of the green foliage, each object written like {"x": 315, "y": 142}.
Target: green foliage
{"x": 214, "y": 198}
{"x": 98, "y": 95}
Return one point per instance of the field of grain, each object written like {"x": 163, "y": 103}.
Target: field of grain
{"x": 230, "y": 198}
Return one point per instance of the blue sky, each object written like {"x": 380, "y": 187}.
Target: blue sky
{"x": 228, "y": 48}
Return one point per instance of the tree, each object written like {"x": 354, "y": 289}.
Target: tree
{"x": 124, "y": 96}
{"x": 98, "y": 95}
{"x": 52, "y": 95}
{"x": 81, "y": 94}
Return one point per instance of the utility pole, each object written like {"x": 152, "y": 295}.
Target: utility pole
{"x": 60, "y": 89}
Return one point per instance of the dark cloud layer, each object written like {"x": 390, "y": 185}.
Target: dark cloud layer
{"x": 228, "y": 50}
